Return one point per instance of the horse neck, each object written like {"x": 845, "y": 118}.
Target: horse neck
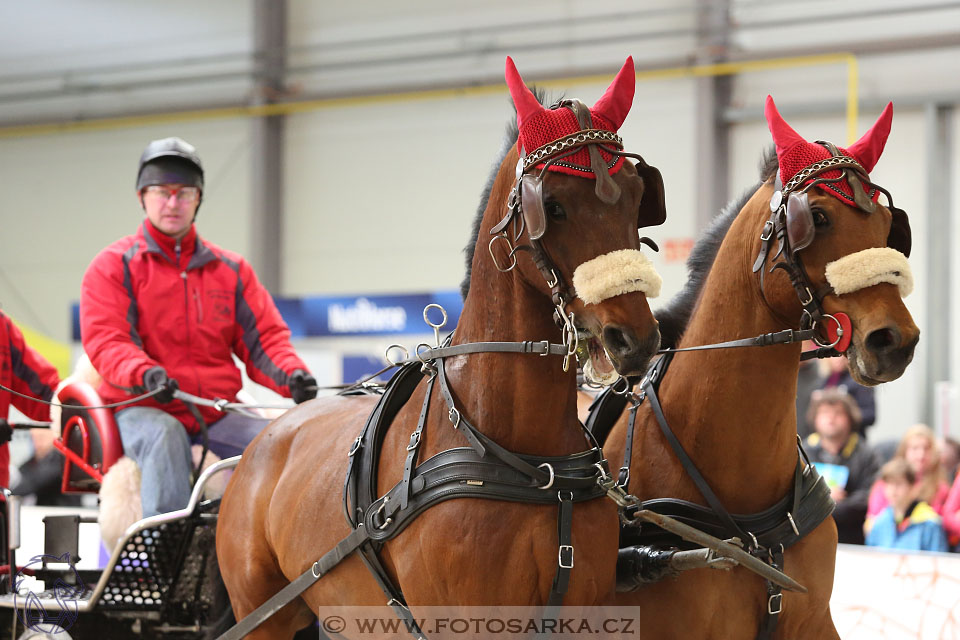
{"x": 525, "y": 402}
{"x": 744, "y": 412}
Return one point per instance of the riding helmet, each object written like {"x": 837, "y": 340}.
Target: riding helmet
{"x": 169, "y": 161}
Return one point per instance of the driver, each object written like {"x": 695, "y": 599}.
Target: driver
{"x": 164, "y": 309}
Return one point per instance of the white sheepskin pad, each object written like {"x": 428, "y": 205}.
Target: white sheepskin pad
{"x": 120, "y": 503}
{"x": 615, "y": 273}
{"x": 869, "y": 267}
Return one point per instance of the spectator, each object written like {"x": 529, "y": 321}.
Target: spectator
{"x": 950, "y": 455}
{"x": 808, "y": 381}
{"x": 908, "y": 522}
{"x": 839, "y": 377}
{"x": 919, "y": 448}
{"x": 41, "y": 477}
{"x": 951, "y": 512}
{"x": 845, "y": 460}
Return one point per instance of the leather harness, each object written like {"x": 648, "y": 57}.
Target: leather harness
{"x": 484, "y": 469}
{"x": 765, "y": 534}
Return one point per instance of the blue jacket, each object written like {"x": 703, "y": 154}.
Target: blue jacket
{"x": 920, "y": 530}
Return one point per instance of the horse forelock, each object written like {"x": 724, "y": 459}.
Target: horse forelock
{"x": 675, "y": 315}
{"x": 508, "y": 143}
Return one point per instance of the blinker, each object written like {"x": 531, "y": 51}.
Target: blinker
{"x": 800, "y": 227}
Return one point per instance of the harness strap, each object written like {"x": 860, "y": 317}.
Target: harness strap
{"x": 768, "y": 625}
{"x": 561, "y": 580}
{"x": 541, "y": 348}
{"x": 786, "y": 336}
{"x": 623, "y": 478}
{"x": 414, "y": 447}
{"x": 688, "y": 464}
{"x": 286, "y": 595}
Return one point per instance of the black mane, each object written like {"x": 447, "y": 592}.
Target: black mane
{"x": 509, "y": 139}
{"x": 675, "y": 316}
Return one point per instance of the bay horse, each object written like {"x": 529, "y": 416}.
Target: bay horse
{"x": 806, "y": 246}
{"x": 564, "y": 195}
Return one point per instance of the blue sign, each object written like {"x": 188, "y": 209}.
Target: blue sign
{"x": 332, "y": 316}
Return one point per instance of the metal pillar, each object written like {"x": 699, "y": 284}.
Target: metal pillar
{"x": 938, "y": 254}
{"x": 712, "y": 98}
{"x": 266, "y": 176}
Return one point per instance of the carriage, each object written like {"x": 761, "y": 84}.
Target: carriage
{"x": 160, "y": 580}
{"x": 778, "y": 259}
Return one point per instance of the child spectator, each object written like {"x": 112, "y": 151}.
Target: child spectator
{"x": 919, "y": 449}
{"x": 908, "y": 522}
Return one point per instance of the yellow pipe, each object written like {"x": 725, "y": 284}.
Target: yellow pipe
{"x": 288, "y": 108}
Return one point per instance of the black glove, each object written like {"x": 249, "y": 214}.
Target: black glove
{"x": 156, "y": 378}
{"x": 303, "y": 386}
{"x": 6, "y": 431}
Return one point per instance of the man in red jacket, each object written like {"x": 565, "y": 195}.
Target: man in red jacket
{"x": 25, "y": 371}
{"x": 163, "y": 309}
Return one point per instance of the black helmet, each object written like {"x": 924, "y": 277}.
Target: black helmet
{"x": 169, "y": 160}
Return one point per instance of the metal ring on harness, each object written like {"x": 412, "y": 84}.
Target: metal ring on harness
{"x": 839, "y": 334}
{"x": 386, "y": 354}
{"x": 426, "y": 319}
{"x": 550, "y": 471}
{"x": 450, "y": 414}
{"x": 511, "y": 253}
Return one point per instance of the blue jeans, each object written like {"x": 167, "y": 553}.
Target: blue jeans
{"x": 160, "y": 446}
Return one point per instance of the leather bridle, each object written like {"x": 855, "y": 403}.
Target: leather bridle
{"x": 526, "y": 208}
{"x": 791, "y": 221}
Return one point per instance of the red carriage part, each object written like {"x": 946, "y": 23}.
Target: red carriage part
{"x": 90, "y": 440}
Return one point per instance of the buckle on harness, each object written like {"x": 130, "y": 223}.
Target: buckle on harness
{"x": 550, "y": 471}
{"x": 454, "y": 416}
{"x": 356, "y": 446}
{"x": 775, "y": 604}
{"x": 546, "y": 348}
{"x": 414, "y": 441}
{"x": 565, "y": 563}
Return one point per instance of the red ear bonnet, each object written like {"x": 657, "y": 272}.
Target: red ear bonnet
{"x": 794, "y": 153}
{"x": 539, "y": 126}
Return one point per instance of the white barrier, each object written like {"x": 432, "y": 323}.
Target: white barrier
{"x": 879, "y": 594}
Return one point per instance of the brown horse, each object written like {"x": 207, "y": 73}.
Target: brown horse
{"x": 732, "y": 410}
{"x": 282, "y": 508}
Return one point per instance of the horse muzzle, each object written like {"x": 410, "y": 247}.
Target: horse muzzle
{"x": 882, "y": 356}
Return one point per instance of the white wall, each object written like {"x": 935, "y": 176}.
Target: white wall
{"x": 368, "y": 183}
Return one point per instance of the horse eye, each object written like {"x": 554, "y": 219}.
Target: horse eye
{"x": 820, "y": 218}
{"x": 554, "y": 210}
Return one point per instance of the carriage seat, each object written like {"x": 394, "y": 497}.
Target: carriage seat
{"x": 89, "y": 438}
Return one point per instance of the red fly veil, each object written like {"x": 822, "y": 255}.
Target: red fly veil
{"x": 539, "y": 126}
{"x": 794, "y": 153}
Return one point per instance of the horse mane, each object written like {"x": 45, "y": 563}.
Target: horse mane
{"x": 509, "y": 139}
{"x": 675, "y": 316}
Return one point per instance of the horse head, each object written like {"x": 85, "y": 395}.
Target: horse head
{"x": 568, "y": 197}
{"x": 844, "y": 252}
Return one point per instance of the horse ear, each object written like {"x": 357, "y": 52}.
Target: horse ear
{"x": 868, "y": 148}
{"x": 784, "y": 137}
{"x": 615, "y": 104}
{"x": 523, "y": 99}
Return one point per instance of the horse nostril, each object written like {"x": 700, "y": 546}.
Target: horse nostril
{"x": 883, "y": 340}
{"x": 616, "y": 340}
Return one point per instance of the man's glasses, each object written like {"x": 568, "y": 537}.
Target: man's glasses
{"x": 163, "y": 192}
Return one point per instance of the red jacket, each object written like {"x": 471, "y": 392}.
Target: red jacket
{"x": 25, "y": 371}
{"x": 148, "y": 300}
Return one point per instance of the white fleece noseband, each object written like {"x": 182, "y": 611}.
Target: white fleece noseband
{"x": 615, "y": 273}
{"x": 867, "y": 268}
